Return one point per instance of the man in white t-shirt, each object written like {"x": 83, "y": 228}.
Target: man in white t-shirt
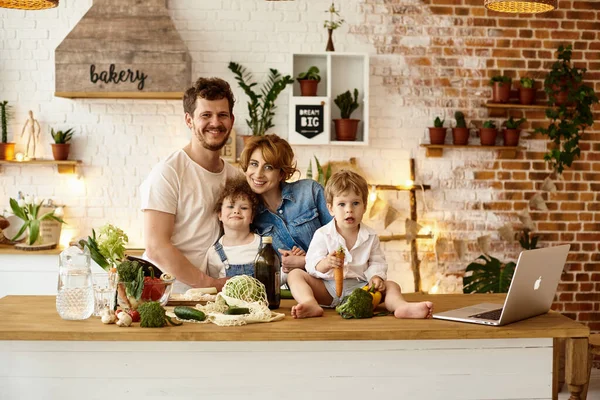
{"x": 178, "y": 196}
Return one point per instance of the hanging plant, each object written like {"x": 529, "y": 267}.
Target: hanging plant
{"x": 492, "y": 277}
{"x": 571, "y": 101}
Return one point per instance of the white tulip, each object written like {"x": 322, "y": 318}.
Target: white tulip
{"x": 59, "y": 212}
{"x": 21, "y": 203}
{"x": 36, "y": 200}
{"x": 28, "y": 199}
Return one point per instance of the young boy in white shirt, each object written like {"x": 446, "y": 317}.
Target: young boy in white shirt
{"x": 234, "y": 253}
{"x": 346, "y": 195}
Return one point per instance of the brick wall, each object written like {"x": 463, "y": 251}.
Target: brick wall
{"x": 428, "y": 58}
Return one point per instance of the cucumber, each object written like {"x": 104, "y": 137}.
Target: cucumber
{"x": 183, "y": 312}
{"x": 232, "y": 310}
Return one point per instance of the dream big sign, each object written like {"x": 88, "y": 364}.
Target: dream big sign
{"x": 309, "y": 120}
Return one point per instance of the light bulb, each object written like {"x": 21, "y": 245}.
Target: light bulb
{"x": 435, "y": 288}
{"x": 19, "y": 156}
{"x": 373, "y": 194}
{"x": 409, "y": 183}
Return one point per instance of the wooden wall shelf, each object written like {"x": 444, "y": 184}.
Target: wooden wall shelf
{"x": 437, "y": 150}
{"x": 500, "y": 110}
{"x": 121, "y": 95}
{"x": 64, "y": 167}
{"x": 6, "y": 249}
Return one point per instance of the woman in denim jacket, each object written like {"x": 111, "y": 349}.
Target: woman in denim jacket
{"x": 290, "y": 212}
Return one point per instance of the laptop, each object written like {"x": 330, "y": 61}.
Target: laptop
{"x": 531, "y": 290}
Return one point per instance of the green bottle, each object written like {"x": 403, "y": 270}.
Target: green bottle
{"x": 266, "y": 270}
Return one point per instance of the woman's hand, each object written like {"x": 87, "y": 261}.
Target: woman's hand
{"x": 290, "y": 262}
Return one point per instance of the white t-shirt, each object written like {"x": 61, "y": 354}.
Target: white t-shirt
{"x": 183, "y": 188}
{"x": 363, "y": 261}
{"x": 242, "y": 254}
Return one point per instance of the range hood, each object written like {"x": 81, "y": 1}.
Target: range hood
{"x": 123, "y": 49}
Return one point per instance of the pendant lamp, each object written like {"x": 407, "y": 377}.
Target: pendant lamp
{"x": 29, "y": 4}
{"x": 521, "y": 6}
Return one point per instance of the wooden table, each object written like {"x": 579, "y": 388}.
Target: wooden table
{"x": 324, "y": 357}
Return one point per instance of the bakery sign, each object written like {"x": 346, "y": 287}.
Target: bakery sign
{"x": 309, "y": 120}
{"x": 124, "y": 49}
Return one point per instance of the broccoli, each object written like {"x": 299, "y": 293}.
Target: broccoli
{"x": 152, "y": 315}
{"x": 358, "y": 305}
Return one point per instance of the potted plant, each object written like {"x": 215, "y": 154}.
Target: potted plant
{"x": 500, "y": 88}
{"x": 564, "y": 86}
{"x": 527, "y": 91}
{"x": 309, "y": 81}
{"x": 7, "y": 150}
{"x": 437, "y": 133}
{"x": 261, "y": 107}
{"x": 61, "y": 146}
{"x": 489, "y": 276}
{"x": 345, "y": 127}
{"x": 28, "y": 210}
{"x": 460, "y": 133}
{"x": 332, "y": 24}
{"x": 488, "y": 133}
{"x": 512, "y": 131}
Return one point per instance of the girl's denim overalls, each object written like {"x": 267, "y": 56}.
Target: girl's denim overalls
{"x": 235, "y": 269}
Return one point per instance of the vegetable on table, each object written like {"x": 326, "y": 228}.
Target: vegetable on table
{"x": 233, "y": 310}
{"x": 358, "y": 305}
{"x": 338, "y": 273}
{"x": 124, "y": 319}
{"x": 375, "y": 293}
{"x": 153, "y": 315}
{"x": 183, "y": 312}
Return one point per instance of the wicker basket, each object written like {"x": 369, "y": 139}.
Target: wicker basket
{"x": 521, "y": 6}
{"x": 29, "y": 4}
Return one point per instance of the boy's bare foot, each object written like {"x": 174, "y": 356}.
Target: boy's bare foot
{"x": 414, "y": 310}
{"x": 306, "y": 310}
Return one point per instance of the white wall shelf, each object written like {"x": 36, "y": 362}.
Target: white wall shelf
{"x": 339, "y": 72}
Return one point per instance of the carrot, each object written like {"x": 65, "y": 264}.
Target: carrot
{"x": 338, "y": 273}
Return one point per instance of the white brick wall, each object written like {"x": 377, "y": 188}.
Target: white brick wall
{"x": 120, "y": 140}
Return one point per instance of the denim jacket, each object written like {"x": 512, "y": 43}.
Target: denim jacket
{"x": 302, "y": 211}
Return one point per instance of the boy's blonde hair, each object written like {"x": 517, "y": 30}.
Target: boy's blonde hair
{"x": 343, "y": 181}
{"x": 237, "y": 188}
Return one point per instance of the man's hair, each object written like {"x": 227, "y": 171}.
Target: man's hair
{"x": 237, "y": 188}
{"x": 209, "y": 89}
{"x": 344, "y": 181}
{"x": 275, "y": 150}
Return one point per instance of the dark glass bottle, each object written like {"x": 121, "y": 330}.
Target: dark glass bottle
{"x": 266, "y": 269}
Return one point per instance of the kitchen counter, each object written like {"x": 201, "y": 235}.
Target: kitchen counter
{"x": 427, "y": 359}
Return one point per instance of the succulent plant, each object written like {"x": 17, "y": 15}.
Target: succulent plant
{"x": 62, "y": 137}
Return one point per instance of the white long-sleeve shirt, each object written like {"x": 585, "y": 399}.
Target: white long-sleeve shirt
{"x": 363, "y": 261}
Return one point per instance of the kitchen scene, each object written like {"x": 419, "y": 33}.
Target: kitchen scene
{"x": 214, "y": 181}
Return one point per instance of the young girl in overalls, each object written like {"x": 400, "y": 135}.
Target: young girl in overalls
{"x": 234, "y": 253}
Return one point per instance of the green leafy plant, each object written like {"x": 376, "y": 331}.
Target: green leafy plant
{"x": 512, "y": 124}
{"x": 568, "y": 123}
{"x": 489, "y": 124}
{"x": 5, "y": 114}
{"x": 489, "y": 276}
{"x": 346, "y": 104}
{"x": 438, "y": 123}
{"x": 500, "y": 79}
{"x": 28, "y": 210}
{"x": 527, "y": 83}
{"x": 311, "y": 74}
{"x": 108, "y": 249}
{"x": 131, "y": 274}
{"x": 460, "y": 119}
{"x": 261, "y": 107}
{"x": 335, "y": 20}
{"x": 62, "y": 137}
{"x": 322, "y": 176}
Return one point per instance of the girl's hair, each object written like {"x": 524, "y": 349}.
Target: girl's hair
{"x": 344, "y": 181}
{"x": 237, "y": 188}
{"x": 275, "y": 150}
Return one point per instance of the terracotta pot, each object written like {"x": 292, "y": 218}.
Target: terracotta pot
{"x": 511, "y": 137}
{"x": 562, "y": 96}
{"x": 7, "y": 151}
{"x": 345, "y": 129}
{"x": 61, "y": 151}
{"x": 526, "y": 95}
{"x": 437, "y": 135}
{"x": 460, "y": 136}
{"x": 488, "y": 136}
{"x": 500, "y": 92}
{"x": 308, "y": 87}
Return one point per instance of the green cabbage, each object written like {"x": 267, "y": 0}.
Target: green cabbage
{"x": 246, "y": 288}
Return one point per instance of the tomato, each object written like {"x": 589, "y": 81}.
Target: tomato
{"x": 135, "y": 315}
{"x": 154, "y": 288}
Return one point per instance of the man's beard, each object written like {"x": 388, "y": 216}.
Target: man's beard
{"x": 212, "y": 147}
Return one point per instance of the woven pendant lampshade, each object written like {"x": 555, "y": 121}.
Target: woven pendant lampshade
{"x": 29, "y": 4}
{"x": 521, "y": 6}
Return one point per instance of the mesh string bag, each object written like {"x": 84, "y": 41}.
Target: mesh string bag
{"x": 246, "y": 288}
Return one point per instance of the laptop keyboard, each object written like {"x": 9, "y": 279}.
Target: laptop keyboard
{"x": 493, "y": 315}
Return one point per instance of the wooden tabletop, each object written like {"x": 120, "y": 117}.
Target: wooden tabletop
{"x": 35, "y": 318}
